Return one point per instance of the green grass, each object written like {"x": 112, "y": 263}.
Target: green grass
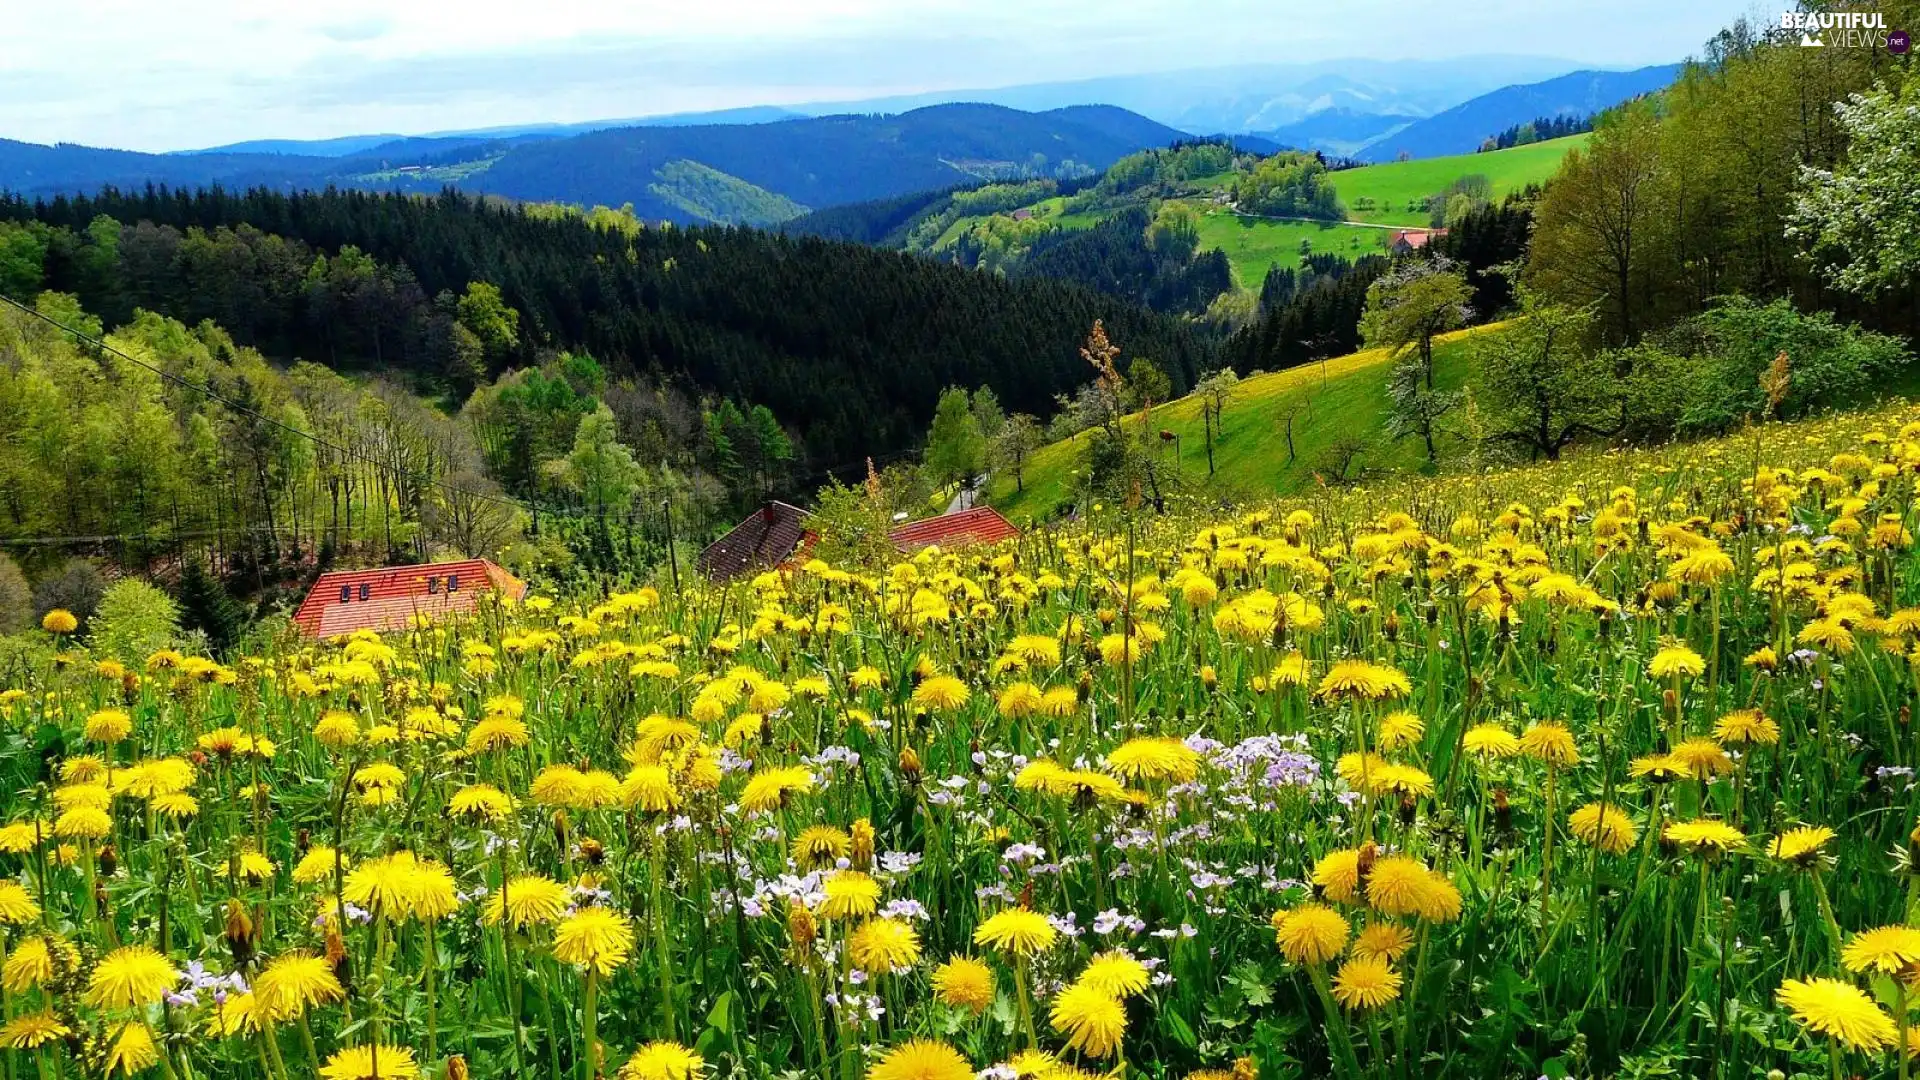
{"x": 1345, "y": 395}
{"x": 1394, "y": 185}
{"x": 1254, "y": 244}
{"x": 712, "y": 195}
{"x": 462, "y": 170}
{"x": 1397, "y": 192}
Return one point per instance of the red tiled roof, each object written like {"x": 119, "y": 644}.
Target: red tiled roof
{"x": 980, "y": 525}
{"x": 396, "y": 595}
{"x": 1416, "y": 238}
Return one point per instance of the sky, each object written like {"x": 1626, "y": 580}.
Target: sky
{"x": 194, "y": 73}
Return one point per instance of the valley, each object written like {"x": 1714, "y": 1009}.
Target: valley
{"x": 1052, "y": 542}
{"x": 992, "y": 226}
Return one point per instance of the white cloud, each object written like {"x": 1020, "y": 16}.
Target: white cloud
{"x": 199, "y": 72}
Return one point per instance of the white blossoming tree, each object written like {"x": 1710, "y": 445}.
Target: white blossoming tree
{"x": 1861, "y": 220}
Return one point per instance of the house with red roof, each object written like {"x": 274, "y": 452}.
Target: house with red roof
{"x": 1413, "y": 239}
{"x": 980, "y": 525}
{"x": 398, "y": 597}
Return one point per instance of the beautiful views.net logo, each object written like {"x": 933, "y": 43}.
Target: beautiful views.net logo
{"x": 1845, "y": 29}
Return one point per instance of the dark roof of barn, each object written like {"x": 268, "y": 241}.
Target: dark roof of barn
{"x": 765, "y": 539}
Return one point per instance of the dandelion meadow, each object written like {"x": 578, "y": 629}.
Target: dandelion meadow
{"x": 1600, "y": 768}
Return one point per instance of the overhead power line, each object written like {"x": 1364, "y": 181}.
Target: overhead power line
{"x": 824, "y": 472}
{"x": 348, "y": 452}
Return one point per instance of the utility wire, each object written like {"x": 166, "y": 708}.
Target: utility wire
{"x": 317, "y": 440}
{"x": 825, "y": 472}
{"x": 115, "y": 538}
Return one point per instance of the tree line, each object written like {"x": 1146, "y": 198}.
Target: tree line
{"x": 178, "y": 452}
{"x": 1538, "y": 129}
{"x": 849, "y": 345}
{"x": 1687, "y": 196}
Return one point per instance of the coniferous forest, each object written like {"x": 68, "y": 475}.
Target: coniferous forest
{"x": 848, "y": 345}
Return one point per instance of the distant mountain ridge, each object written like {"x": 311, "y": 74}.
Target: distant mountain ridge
{"x": 1232, "y": 100}
{"x": 741, "y": 173}
{"x": 1341, "y": 131}
{"x": 1256, "y": 98}
{"x": 1461, "y": 129}
{"x": 761, "y": 165}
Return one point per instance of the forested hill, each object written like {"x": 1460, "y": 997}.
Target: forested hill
{"x": 850, "y": 346}
{"x": 1466, "y": 126}
{"x": 727, "y": 173}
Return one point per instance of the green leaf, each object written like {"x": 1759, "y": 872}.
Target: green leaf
{"x": 720, "y": 1017}
{"x": 1251, "y": 978}
{"x": 1178, "y": 1027}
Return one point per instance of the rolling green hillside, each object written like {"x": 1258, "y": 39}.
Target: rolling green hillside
{"x": 1378, "y": 200}
{"x": 806, "y": 161}
{"x": 1254, "y": 244}
{"x": 707, "y": 194}
{"x": 1395, "y": 193}
{"x": 1346, "y": 395}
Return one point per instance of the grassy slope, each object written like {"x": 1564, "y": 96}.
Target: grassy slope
{"x": 1347, "y": 394}
{"x": 710, "y": 194}
{"x": 1394, "y": 185}
{"x": 1253, "y": 244}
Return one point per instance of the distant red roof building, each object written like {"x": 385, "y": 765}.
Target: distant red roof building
{"x": 980, "y": 525}
{"x": 394, "y": 597}
{"x": 776, "y": 534}
{"x": 1414, "y": 239}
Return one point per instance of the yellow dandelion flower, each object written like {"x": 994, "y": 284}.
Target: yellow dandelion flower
{"x": 1361, "y": 679}
{"x": 820, "y": 846}
{"x": 527, "y": 900}
{"x": 1491, "y": 741}
{"x": 921, "y": 1059}
{"x": 769, "y": 789}
{"x": 1705, "y": 836}
{"x": 1017, "y": 932}
{"x": 1838, "y": 1010}
{"x": 1094, "y": 1022}
{"x": 1154, "y": 758}
{"x": 1310, "y": 933}
{"x": 663, "y": 1061}
{"x": 850, "y": 894}
{"x": 964, "y": 983}
{"x": 1551, "y": 743}
{"x": 377, "y": 1062}
{"x": 1606, "y": 827}
{"x": 1747, "y": 726}
{"x": 1675, "y": 660}
{"x": 1885, "y": 950}
{"x": 593, "y": 938}
{"x": 1366, "y": 982}
{"x": 1116, "y": 973}
{"x": 1338, "y": 875}
{"x": 884, "y": 945}
{"x": 1801, "y": 845}
{"x": 130, "y": 977}
{"x": 1390, "y": 941}
{"x": 940, "y": 692}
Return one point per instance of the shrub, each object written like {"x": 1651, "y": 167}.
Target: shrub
{"x": 77, "y": 586}
{"x": 206, "y": 606}
{"x": 133, "y": 620}
{"x": 16, "y": 599}
{"x": 1830, "y": 364}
